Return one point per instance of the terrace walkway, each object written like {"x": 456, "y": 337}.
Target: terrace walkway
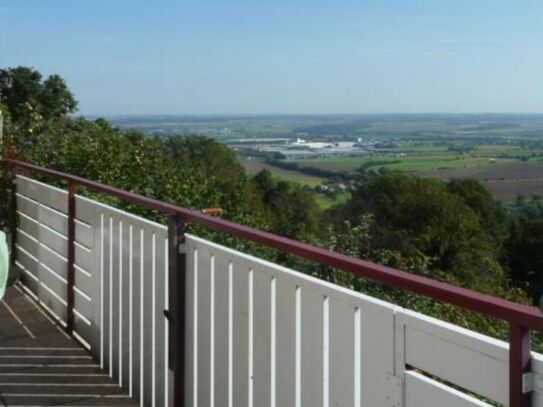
{"x": 40, "y": 365}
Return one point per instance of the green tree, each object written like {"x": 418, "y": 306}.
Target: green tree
{"x": 289, "y": 209}
{"x": 420, "y": 217}
{"x": 32, "y": 102}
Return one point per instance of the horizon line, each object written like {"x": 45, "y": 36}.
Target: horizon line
{"x": 105, "y": 115}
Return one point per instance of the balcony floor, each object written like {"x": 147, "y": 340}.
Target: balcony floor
{"x": 40, "y": 365}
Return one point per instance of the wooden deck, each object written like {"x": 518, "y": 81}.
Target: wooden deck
{"x": 40, "y": 365}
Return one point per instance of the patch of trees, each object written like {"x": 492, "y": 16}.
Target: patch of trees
{"x": 462, "y": 148}
{"x": 444, "y": 224}
{"x": 375, "y": 163}
{"x": 525, "y": 245}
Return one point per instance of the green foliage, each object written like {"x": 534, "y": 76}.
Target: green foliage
{"x": 492, "y": 214}
{"x": 524, "y": 245}
{"x": 31, "y": 102}
{"x": 288, "y": 209}
{"x": 193, "y": 172}
{"x": 420, "y": 217}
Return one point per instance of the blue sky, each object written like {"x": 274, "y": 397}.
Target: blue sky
{"x": 307, "y": 56}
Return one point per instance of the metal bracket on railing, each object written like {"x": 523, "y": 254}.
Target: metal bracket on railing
{"x": 182, "y": 248}
{"x": 212, "y": 211}
{"x": 394, "y": 391}
{"x": 527, "y": 382}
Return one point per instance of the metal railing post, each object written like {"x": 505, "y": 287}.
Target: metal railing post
{"x": 519, "y": 366}
{"x": 176, "y": 305}
{"x": 70, "y": 277}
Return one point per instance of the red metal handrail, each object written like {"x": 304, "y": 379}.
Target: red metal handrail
{"x": 522, "y": 318}
{"x": 523, "y": 315}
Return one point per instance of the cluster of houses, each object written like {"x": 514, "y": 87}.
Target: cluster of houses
{"x": 333, "y": 187}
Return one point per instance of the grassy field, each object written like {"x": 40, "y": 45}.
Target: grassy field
{"x": 416, "y": 163}
{"x": 422, "y": 147}
{"x": 254, "y": 166}
{"x": 326, "y": 202}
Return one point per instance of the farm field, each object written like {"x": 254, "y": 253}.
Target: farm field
{"x": 508, "y": 190}
{"x": 433, "y": 163}
{"x": 513, "y": 170}
{"x": 254, "y": 166}
{"x": 416, "y": 163}
{"x": 504, "y": 181}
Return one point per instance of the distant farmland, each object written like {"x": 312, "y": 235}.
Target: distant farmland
{"x": 254, "y": 166}
{"x": 504, "y": 181}
{"x": 430, "y": 162}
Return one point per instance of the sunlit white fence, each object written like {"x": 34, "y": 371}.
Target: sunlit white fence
{"x": 257, "y": 334}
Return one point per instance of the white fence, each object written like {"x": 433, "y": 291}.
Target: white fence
{"x": 120, "y": 282}
{"x": 257, "y": 334}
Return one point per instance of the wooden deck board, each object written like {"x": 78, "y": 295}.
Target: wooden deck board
{"x": 42, "y": 366}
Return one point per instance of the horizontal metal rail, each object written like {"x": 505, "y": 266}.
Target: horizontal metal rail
{"x": 518, "y": 314}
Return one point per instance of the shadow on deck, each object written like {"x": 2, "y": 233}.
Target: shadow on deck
{"x": 40, "y": 365}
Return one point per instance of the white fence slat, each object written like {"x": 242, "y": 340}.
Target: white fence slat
{"x": 378, "y": 339}
{"x": 285, "y": 371}
{"x": 85, "y": 283}
{"x": 261, "y": 336}
{"x": 85, "y": 259}
{"x": 84, "y": 234}
{"x": 29, "y": 225}
{"x": 311, "y": 347}
{"x": 116, "y": 291}
{"x": 106, "y": 316}
{"x": 82, "y": 328}
{"x": 86, "y": 210}
{"x": 191, "y": 342}
{"x": 27, "y": 261}
{"x": 54, "y": 241}
{"x": 149, "y": 319}
{"x": 29, "y": 280}
{"x": 204, "y": 328}
{"x": 342, "y": 353}
{"x": 51, "y": 302}
{"x": 137, "y": 307}
{"x": 161, "y": 274}
{"x": 240, "y": 331}
{"x": 48, "y": 195}
{"x": 221, "y": 325}
{"x": 28, "y": 243}
{"x": 469, "y": 360}
{"x": 84, "y": 307}
{"x": 53, "y": 260}
{"x": 537, "y": 369}
{"x": 52, "y": 281}
{"x": 423, "y": 391}
{"x": 28, "y": 206}
{"x": 124, "y": 273}
{"x": 54, "y": 220}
